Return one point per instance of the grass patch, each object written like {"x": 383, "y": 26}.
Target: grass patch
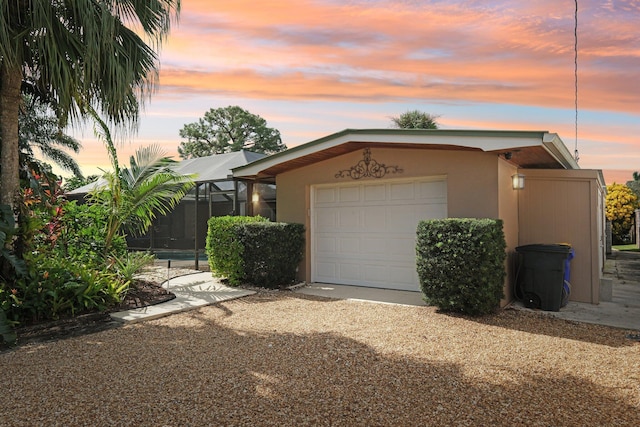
{"x": 627, "y": 248}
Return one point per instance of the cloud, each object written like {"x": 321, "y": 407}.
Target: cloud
{"x": 380, "y": 51}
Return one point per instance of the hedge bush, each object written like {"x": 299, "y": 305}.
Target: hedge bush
{"x": 460, "y": 264}
{"x": 255, "y": 251}
{"x": 224, "y": 249}
{"x": 272, "y": 252}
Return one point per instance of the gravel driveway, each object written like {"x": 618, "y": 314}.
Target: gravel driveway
{"x": 288, "y": 359}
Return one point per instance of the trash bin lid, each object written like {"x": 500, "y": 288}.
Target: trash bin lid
{"x": 538, "y": 247}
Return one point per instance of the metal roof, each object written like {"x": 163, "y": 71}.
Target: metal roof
{"x": 206, "y": 169}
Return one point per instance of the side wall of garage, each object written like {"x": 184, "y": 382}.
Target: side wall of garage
{"x": 566, "y": 206}
{"x": 472, "y": 179}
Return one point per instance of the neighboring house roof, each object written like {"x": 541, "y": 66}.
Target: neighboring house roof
{"x": 206, "y": 169}
{"x": 217, "y": 167}
{"x": 525, "y": 149}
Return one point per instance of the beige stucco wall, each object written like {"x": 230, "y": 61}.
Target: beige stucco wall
{"x": 508, "y": 212}
{"x": 472, "y": 183}
{"x": 561, "y": 206}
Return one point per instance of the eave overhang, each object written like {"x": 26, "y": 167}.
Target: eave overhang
{"x": 524, "y": 149}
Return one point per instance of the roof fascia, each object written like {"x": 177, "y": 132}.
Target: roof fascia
{"x": 554, "y": 146}
{"x": 486, "y": 140}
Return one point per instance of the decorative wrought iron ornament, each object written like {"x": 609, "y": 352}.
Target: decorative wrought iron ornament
{"x": 368, "y": 168}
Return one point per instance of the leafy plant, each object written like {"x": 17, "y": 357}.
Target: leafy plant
{"x": 8, "y": 259}
{"x": 7, "y": 333}
{"x": 224, "y": 247}
{"x": 460, "y": 264}
{"x": 271, "y": 252}
{"x": 134, "y": 195}
{"x": 127, "y": 266}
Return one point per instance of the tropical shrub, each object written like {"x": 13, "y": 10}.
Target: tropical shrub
{"x": 621, "y": 203}
{"x": 66, "y": 270}
{"x": 83, "y": 235}
{"x": 10, "y": 264}
{"x": 224, "y": 247}
{"x": 460, "y": 264}
{"x": 55, "y": 287}
{"x": 127, "y": 266}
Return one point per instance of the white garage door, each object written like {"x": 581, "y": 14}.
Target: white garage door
{"x": 364, "y": 233}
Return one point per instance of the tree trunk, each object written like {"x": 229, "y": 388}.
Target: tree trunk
{"x": 10, "y": 81}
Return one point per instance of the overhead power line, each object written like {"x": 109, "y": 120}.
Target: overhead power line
{"x": 575, "y": 75}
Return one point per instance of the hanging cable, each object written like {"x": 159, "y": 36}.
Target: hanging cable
{"x": 575, "y": 75}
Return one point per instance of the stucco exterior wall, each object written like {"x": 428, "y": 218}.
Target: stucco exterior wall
{"x": 564, "y": 206}
{"x": 472, "y": 183}
{"x": 508, "y": 212}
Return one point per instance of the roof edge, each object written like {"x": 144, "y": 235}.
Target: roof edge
{"x": 399, "y": 136}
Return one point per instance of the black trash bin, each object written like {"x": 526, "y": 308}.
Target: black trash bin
{"x": 542, "y": 278}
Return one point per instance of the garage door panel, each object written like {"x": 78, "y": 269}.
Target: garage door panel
{"x": 348, "y": 218}
{"x": 374, "y": 219}
{"x": 350, "y": 246}
{"x": 325, "y": 195}
{"x": 326, "y": 269}
{"x": 375, "y": 193}
{"x": 368, "y": 231}
{"x": 349, "y": 194}
{"x": 375, "y": 274}
{"x": 325, "y": 245}
{"x": 349, "y": 271}
{"x": 401, "y": 247}
{"x": 404, "y": 191}
{"x": 403, "y": 277}
{"x": 326, "y": 219}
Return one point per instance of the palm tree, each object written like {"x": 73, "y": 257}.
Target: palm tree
{"x": 40, "y": 130}
{"x": 415, "y": 120}
{"x": 134, "y": 195}
{"x": 80, "y": 54}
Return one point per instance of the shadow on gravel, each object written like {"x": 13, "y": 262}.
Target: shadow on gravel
{"x": 544, "y": 324}
{"x": 157, "y": 374}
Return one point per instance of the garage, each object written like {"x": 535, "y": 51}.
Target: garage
{"x": 364, "y": 233}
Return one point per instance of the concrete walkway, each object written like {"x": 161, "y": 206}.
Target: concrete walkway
{"x": 191, "y": 291}
{"x": 201, "y": 289}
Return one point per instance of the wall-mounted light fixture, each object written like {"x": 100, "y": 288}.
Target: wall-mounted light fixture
{"x": 517, "y": 181}
{"x": 255, "y": 197}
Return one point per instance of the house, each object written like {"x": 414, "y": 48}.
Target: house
{"x": 361, "y": 194}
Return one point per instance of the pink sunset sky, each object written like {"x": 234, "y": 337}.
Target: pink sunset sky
{"x": 312, "y": 68}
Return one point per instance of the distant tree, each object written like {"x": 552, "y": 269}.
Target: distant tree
{"x": 415, "y": 120}
{"x": 621, "y": 204}
{"x": 223, "y": 130}
{"x": 634, "y": 185}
